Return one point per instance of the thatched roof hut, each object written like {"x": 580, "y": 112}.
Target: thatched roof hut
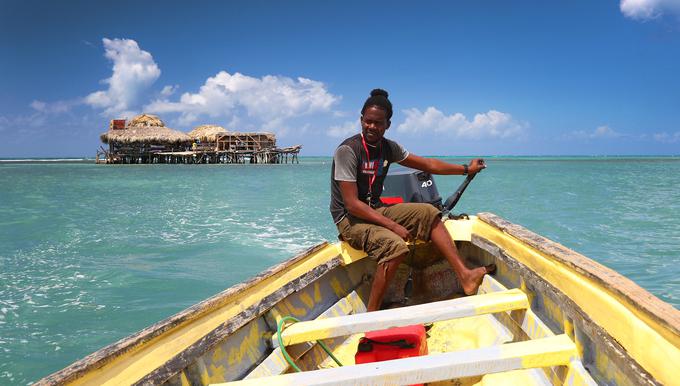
{"x": 152, "y": 134}
{"x": 207, "y": 133}
{"x": 146, "y": 120}
{"x": 145, "y": 128}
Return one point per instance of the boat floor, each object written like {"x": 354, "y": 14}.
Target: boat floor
{"x": 461, "y": 330}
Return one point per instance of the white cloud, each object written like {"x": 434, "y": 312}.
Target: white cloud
{"x": 602, "y": 132}
{"x": 270, "y": 103}
{"x": 41, "y": 119}
{"x": 134, "y": 71}
{"x": 648, "y": 9}
{"x": 492, "y": 124}
{"x": 169, "y": 90}
{"x": 266, "y": 101}
{"x": 345, "y": 130}
{"x": 53, "y": 107}
{"x": 667, "y": 137}
{"x": 24, "y": 123}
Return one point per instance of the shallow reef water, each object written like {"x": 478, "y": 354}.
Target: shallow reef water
{"x": 92, "y": 253}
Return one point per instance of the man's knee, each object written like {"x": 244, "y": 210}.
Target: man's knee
{"x": 393, "y": 262}
{"x": 389, "y": 248}
{"x": 430, "y": 212}
{"x": 436, "y": 221}
{"x": 418, "y": 218}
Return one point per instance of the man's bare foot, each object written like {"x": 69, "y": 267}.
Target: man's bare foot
{"x": 474, "y": 279}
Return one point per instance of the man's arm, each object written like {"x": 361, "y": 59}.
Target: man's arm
{"x": 435, "y": 166}
{"x": 358, "y": 208}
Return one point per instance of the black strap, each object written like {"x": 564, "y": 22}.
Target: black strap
{"x": 366, "y": 344}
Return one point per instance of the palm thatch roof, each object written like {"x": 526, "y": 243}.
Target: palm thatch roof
{"x": 145, "y": 128}
{"x": 146, "y": 120}
{"x": 207, "y": 133}
{"x": 150, "y": 134}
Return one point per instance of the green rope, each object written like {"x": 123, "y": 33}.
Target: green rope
{"x": 279, "y": 330}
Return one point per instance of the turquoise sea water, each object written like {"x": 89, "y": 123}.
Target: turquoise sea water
{"x": 92, "y": 253}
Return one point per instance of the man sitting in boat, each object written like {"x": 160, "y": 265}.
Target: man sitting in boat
{"x": 360, "y": 165}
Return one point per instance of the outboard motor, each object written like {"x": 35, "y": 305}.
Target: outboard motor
{"x": 410, "y": 185}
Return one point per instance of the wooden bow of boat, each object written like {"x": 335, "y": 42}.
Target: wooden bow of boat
{"x": 548, "y": 316}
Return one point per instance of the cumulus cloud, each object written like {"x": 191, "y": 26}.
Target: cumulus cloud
{"x": 667, "y": 137}
{"x": 134, "y": 71}
{"x": 344, "y": 130}
{"x": 492, "y": 124}
{"x": 266, "y": 101}
{"x": 53, "y": 107}
{"x": 648, "y": 9}
{"x": 270, "y": 103}
{"x": 602, "y": 132}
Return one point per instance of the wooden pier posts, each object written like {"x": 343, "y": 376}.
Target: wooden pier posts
{"x": 266, "y": 156}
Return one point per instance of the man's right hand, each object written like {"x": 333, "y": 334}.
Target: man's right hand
{"x": 400, "y": 231}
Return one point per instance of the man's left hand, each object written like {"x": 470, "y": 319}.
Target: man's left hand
{"x": 476, "y": 165}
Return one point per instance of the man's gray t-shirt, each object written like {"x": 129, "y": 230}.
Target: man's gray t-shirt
{"x": 351, "y": 163}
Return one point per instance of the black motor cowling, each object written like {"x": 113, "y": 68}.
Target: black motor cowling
{"x": 410, "y": 185}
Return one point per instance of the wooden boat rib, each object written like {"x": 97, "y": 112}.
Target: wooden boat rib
{"x": 548, "y": 316}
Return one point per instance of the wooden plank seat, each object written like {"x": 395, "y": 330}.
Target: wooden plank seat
{"x": 552, "y": 351}
{"x": 424, "y": 313}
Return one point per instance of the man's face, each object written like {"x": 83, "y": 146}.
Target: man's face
{"x": 373, "y": 124}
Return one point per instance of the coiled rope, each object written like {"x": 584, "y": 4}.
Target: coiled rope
{"x": 279, "y": 330}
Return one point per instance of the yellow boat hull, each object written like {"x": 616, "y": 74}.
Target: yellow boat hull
{"x": 591, "y": 325}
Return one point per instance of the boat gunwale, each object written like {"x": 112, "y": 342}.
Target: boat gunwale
{"x": 179, "y": 362}
{"x": 637, "y": 297}
{"x": 595, "y": 332}
{"x": 127, "y": 344}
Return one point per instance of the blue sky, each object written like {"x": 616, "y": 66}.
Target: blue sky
{"x": 466, "y": 78}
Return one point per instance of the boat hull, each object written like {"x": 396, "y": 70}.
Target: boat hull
{"x": 622, "y": 334}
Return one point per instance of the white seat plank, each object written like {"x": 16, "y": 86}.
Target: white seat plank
{"x": 552, "y": 351}
{"x": 424, "y": 313}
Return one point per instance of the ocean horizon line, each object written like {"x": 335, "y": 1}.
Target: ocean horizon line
{"x": 77, "y": 159}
